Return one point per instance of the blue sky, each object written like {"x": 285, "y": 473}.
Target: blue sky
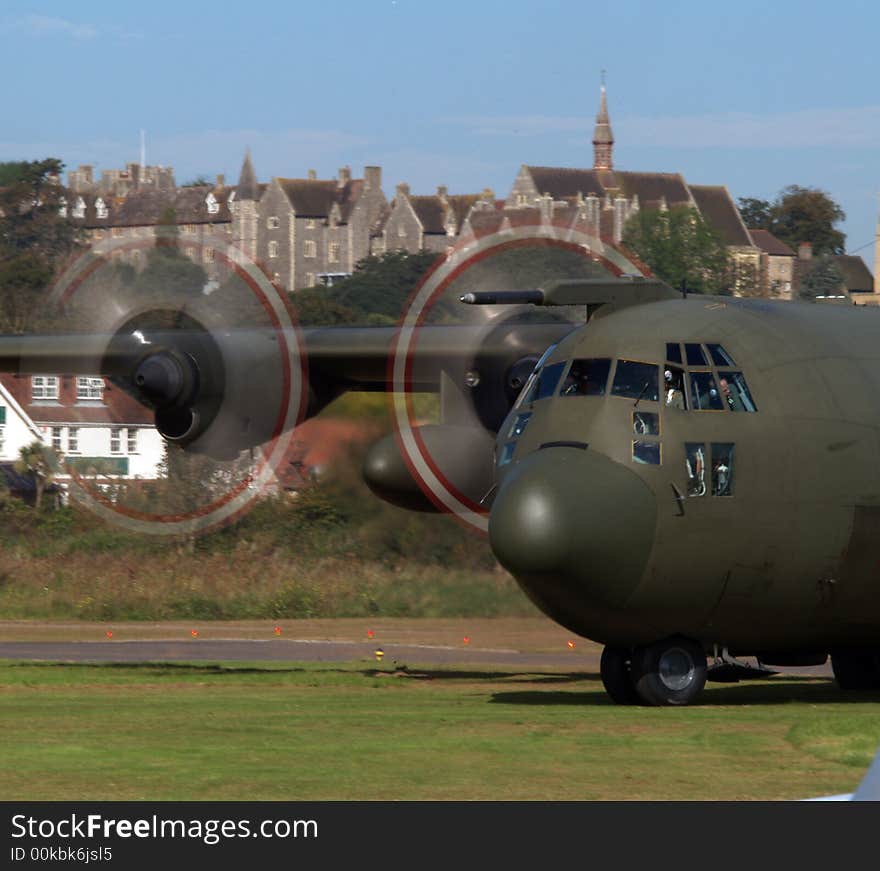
{"x": 751, "y": 95}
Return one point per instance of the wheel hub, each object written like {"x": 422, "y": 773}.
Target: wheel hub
{"x": 676, "y": 669}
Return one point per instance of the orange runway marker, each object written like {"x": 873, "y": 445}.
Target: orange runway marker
{"x": 109, "y": 634}
{"x": 277, "y": 630}
{"x": 466, "y": 639}
{"x": 194, "y": 633}
{"x": 370, "y": 633}
{"x": 571, "y": 645}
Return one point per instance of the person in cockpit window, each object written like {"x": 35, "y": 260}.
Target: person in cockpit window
{"x": 674, "y": 386}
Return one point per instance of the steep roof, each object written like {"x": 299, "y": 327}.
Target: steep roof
{"x": 718, "y": 209}
{"x": 561, "y": 182}
{"x": 314, "y": 198}
{"x": 769, "y": 244}
{"x": 430, "y": 212}
{"x": 856, "y": 275}
{"x": 647, "y": 186}
{"x": 148, "y": 208}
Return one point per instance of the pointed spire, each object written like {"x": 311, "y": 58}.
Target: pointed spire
{"x": 603, "y": 138}
{"x": 247, "y": 181}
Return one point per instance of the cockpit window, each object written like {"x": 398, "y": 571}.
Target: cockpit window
{"x": 586, "y": 378}
{"x": 519, "y": 425}
{"x": 719, "y": 356}
{"x": 636, "y": 380}
{"x": 695, "y": 356}
{"x": 673, "y": 352}
{"x": 735, "y": 392}
{"x": 544, "y": 383}
{"x": 673, "y": 385}
{"x": 704, "y": 392}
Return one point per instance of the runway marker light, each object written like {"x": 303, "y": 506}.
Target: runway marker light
{"x": 379, "y": 653}
{"x": 466, "y": 639}
{"x": 277, "y": 630}
{"x": 571, "y": 645}
{"x": 109, "y": 634}
{"x": 370, "y": 633}
{"x": 194, "y": 633}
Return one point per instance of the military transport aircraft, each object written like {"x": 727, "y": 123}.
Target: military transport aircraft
{"x": 684, "y": 479}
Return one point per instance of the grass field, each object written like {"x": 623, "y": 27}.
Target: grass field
{"x": 367, "y": 731}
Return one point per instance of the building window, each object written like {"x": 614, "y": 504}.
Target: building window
{"x": 56, "y": 438}
{"x": 62, "y": 208}
{"x": 310, "y": 248}
{"x": 2, "y": 440}
{"x": 401, "y": 231}
{"x": 273, "y": 222}
{"x": 310, "y": 224}
{"x": 212, "y": 204}
{"x": 72, "y": 440}
{"x": 333, "y": 252}
{"x": 118, "y": 231}
{"x": 100, "y": 208}
{"x": 115, "y": 440}
{"x": 89, "y": 388}
{"x": 273, "y": 249}
{"x": 189, "y": 228}
{"x": 44, "y": 387}
{"x": 79, "y": 209}
{"x": 191, "y": 253}
{"x": 208, "y": 255}
{"x": 132, "y": 441}
{"x": 310, "y": 279}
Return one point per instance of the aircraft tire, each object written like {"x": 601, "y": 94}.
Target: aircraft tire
{"x": 856, "y": 669}
{"x": 616, "y": 676}
{"x": 669, "y": 672}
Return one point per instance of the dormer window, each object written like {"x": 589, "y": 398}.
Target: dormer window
{"x": 100, "y": 208}
{"x": 212, "y": 204}
{"x": 79, "y": 209}
{"x": 230, "y": 201}
{"x": 62, "y": 207}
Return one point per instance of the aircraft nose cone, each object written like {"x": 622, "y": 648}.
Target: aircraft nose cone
{"x": 575, "y": 529}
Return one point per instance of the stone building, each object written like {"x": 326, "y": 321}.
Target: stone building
{"x": 607, "y": 197}
{"x": 777, "y": 264}
{"x": 307, "y": 231}
{"x": 431, "y": 223}
{"x": 121, "y": 182}
{"x": 201, "y": 213}
{"x": 857, "y": 285}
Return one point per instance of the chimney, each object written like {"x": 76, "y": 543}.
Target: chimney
{"x": 344, "y": 176}
{"x": 805, "y": 251}
{"x": 403, "y": 189}
{"x": 373, "y": 178}
{"x": 220, "y": 181}
{"x": 312, "y": 175}
{"x": 442, "y": 192}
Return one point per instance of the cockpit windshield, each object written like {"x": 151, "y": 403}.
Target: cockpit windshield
{"x": 586, "y": 378}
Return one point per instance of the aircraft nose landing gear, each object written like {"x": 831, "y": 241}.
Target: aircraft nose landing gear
{"x": 669, "y": 672}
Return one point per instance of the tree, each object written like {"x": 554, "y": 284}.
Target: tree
{"x": 33, "y": 461}
{"x": 755, "y": 213}
{"x": 798, "y": 214}
{"x": 824, "y": 279}
{"x": 35, "y": 238}
{"x": 808, "y": 215}
{"x": 680, "y": 248}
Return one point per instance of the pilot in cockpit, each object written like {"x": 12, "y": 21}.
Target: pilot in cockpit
{"x": 674, "y": 386}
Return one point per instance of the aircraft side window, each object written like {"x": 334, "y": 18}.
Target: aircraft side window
{"x": 673, "y": 386}
{"x": 646, "y": 423}
{"x": 673, "y": 352}
{"x": 586, "y": 378}
{"x": 735, "y": 391}
{"x": 695, "y": 462}
{"x": 636, "y": 380}
{"x": 694, "y": 354}
{"x": 704, "y": 392}
{"x": 646, "y": 452}
{"x": 506, "y": 453}
{"x": 722, "y": 469}
{"x": 519, "y": 425}
{"x": 719, "y": 355}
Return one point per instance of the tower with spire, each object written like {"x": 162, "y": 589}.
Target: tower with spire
{"x": 877, "y": 256}
{"x": 603, "y": 138}
{"x": 245, "y": 220}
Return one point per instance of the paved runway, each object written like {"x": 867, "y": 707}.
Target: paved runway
{"x": 284, "y": 650}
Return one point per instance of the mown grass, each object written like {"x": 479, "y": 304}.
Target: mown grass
{"x": 358, "y": 731}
